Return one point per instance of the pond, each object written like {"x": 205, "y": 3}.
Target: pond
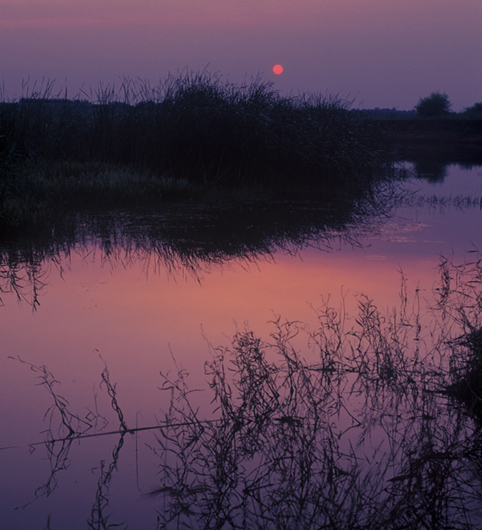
{"x": 99, "y": 335}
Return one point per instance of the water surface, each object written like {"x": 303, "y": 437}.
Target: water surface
{"x": 139, "y": 312}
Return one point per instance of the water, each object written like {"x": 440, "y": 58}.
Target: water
{"x": 139, "y": 311}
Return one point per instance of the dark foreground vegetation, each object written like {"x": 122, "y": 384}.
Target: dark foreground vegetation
{"x": 369, "y": 421}
{"x": 141, "y": 145}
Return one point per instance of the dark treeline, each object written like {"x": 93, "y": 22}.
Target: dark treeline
{"x": 432, "y": 130}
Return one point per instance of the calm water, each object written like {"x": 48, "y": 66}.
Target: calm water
{"x": 142, "y": 314}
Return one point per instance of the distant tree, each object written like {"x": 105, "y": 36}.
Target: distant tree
{"x": 475, "y": 111}
{"x": 436, "y": 104}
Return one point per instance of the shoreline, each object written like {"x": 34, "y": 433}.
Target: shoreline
{"x": 452, "y": 131}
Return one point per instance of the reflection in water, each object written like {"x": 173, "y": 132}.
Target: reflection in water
{"x": 358, "y": 419}
{"x": 431, "y": 170}
{"x": 25, "y": 280}
{"x": 431, "y": 161}
{"x": 190, "y": 239}
{"x": 369, "y": 436}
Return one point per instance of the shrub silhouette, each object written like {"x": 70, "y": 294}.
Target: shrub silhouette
{"x": 475, "y": 111}
{"x": 435, "y": 105}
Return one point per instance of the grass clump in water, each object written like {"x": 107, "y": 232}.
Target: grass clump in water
{"x": 40, "y": 193}
{"x": 363, "y": 437}
{"x": 193, "y": 128}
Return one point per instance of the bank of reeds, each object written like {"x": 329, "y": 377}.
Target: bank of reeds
{"x": 193, "y": 128}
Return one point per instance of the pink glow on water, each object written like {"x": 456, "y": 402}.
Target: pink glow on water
{"x": 140, "y": 316}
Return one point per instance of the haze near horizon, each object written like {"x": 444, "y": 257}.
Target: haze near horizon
{"x": 376, "y": 53}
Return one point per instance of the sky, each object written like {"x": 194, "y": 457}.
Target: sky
{"x": 374, "y": 53}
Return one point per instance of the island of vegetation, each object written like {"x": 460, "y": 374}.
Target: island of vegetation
{"x": 196, "y": 137}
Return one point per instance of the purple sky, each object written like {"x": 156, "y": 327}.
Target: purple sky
{"x": 379, "y": 53}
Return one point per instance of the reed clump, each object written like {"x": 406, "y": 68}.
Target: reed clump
{"x": 195, "y": 128}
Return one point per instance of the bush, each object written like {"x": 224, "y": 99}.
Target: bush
{"x": 475, "y": 111}
{"x": 433, "y": 106}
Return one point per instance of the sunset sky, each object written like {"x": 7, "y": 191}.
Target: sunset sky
{"x": 378, "y": 53}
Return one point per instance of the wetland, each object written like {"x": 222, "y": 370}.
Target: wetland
{"x": 222, "y": 360}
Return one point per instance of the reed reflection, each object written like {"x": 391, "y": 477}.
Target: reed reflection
{"x": 375, "y": 433}
{"x": 430, "y": 162}
{"x": 189, "y": 240}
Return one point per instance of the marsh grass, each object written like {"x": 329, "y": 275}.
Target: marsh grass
{"x": 64, "y": 428}
{"x": 192, "y": 130}
{"x": 43, "y": 193}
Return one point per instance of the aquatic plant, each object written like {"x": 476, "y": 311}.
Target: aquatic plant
{"x": 193, "y": 128}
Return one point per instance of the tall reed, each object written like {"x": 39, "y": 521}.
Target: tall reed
{"x": 199, "y": 127}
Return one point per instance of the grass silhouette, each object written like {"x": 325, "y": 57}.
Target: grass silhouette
{"x": 143, "y": 144}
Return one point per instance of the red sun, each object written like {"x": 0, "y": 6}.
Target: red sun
{"x": 277, "y": 69}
